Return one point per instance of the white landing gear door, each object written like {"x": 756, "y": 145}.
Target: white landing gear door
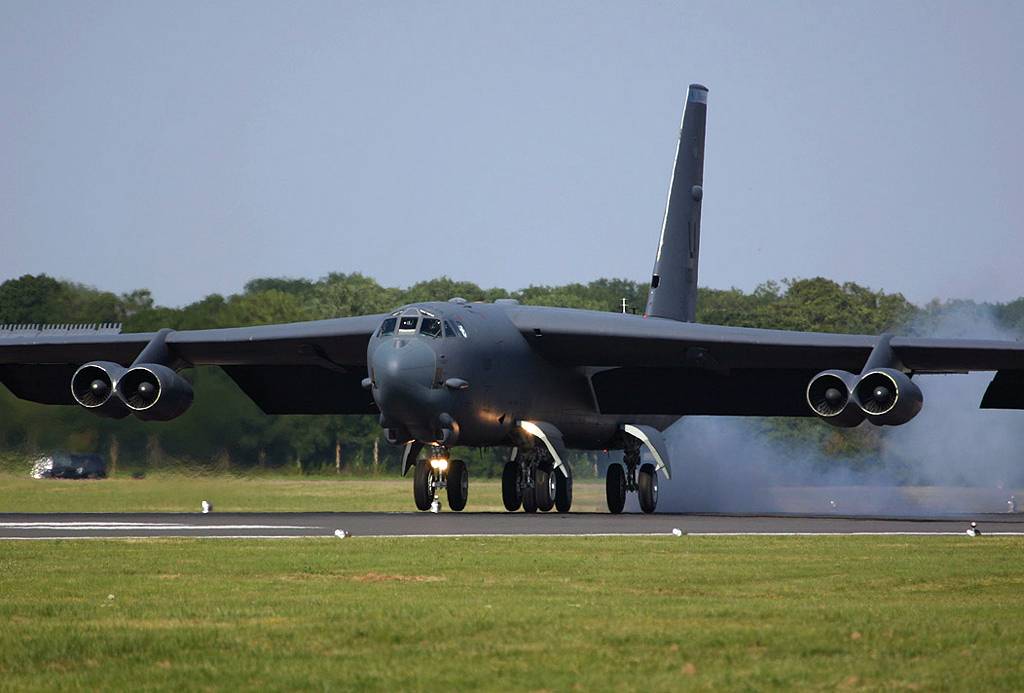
{"x": 654, "y": 441}
{"x": 409, "y": 455}
{"x": 552, "y": 439}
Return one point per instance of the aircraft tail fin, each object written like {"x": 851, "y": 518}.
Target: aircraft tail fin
{"x": 673, "y": 292}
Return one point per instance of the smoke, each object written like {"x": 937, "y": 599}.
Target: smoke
{"x": 952, "y": 458}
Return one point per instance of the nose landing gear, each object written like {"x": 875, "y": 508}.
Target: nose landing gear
{"x": 439, "y": 472}
{"x": 458, "y": 485}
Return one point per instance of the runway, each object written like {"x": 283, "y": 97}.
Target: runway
{"x": 449, "y": 524}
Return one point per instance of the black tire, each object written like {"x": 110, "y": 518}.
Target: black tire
{"x": 530, "y": 499}
{"x": 615, "y": 488}
{"x": 563, "y": 492}
{"x": 511, "y": 494}
{"x": 544, "y": 488}
{"x": 458, "y": 485}
{"x": 647, "y": 488}
{"x": 421, "y": 492}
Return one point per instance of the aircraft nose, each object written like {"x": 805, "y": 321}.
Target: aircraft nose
{"x": 405, "y": 364}
{"x": 403, "y": 374}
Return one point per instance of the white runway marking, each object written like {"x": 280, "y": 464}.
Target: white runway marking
{"x": 114, "y": 526}
{"x": 166, "y": 536}
{"x": 848, "y": 534}
{"x": 698, "y": 534}
{"x": 519, "y": 536}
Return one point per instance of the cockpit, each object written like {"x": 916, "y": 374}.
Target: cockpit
{"x": 422, "y": 323}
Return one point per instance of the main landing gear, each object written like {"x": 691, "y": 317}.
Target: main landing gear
{"x": 530, "y": 481}
{"x": 631, "y": 476}
{"x": 439, "y": 472}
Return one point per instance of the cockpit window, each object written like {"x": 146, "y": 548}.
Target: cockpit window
{"x": 408, "y": 324}
{"x": 449, "y": 331}
{"x": 387, "y": 327}
{"x": 462, "y": 329}
{"x": 431, "y": 327}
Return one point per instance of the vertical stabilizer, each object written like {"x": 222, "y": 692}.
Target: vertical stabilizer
{"x": 674, "y": 282}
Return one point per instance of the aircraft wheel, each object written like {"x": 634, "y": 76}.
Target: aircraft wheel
{"x": 647, "y": 488}
{"x": 544, "y": 488}
{"x": 511, "y": 494}
{"x": 615, "y": 488}
{"x": 458, "y": 485}
{"x": 563, "y": 492}
{"x": 421, "y": 490}
{"x": 529, "y": 500}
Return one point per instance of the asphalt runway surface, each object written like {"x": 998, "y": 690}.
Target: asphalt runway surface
{"x": 450, "y": 524}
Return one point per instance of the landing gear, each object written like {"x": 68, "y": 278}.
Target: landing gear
{"x": 511, "y": 493}
{"x": 436, "y": 473}
{"x": 423, "y": 485}
{"x": 563, "y": 492}
{"x": 615, "y": 489}
{"x": 458, "y": 485}
{"x": 647, "y": 488}
{"x": 530, "y": 481}
{"x": 544, "y": 488}
{"x": 529, "y": 495}
{"x": 632, "y": 476}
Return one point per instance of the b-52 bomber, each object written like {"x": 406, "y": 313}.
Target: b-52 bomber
{"x": 537, "y": 380}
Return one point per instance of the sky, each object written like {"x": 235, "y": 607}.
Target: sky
{"x": 189, "y": 147}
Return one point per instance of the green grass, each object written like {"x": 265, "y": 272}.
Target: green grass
{"x": 180, "y": 493}
{"x": 736, "y": 613}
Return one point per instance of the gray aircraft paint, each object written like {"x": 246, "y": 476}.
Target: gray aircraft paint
{"x": 673, "y": 292}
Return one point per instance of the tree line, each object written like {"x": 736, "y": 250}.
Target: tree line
{"x": 225, "y": 430}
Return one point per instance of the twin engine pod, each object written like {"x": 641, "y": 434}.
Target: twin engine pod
{"x": 883, "y": 396}
{"x": 150, "y": 391}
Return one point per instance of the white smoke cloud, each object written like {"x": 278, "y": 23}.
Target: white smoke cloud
{"x": 952, "y": 458}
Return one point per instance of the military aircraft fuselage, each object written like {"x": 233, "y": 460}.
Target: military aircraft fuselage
{"x": 466, "y": 368}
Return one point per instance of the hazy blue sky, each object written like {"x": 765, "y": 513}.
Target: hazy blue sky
{"x": 188, "y": 147}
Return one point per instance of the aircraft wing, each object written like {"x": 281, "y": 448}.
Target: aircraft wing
{"x": 300, "y": 368}
{"x": 651, "y": 365}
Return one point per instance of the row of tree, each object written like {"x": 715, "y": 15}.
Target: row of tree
{"x": 225, "y": 430}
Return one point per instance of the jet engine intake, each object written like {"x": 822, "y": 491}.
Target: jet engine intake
{"x": 829, "y": 396}
{"x": 154, "y": 392}
{"x": 93, "y": 387}
{"x": 888, "y": 397}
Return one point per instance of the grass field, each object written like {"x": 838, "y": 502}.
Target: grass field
{"x": 736, "y": 613}
{"x": 180, "y": 493}
{"x": 170, "y": 492}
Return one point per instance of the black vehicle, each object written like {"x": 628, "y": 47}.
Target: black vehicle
{"x": 62, "y": 465}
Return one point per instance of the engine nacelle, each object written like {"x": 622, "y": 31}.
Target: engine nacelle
{"x": 94, "y": 387}
{"x": 829, "y": 395}
{"x": 888, "y": 397}
{"x": 154, "y": 393}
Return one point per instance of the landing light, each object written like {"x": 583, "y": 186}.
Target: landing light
{"x": 439, "y": 463}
